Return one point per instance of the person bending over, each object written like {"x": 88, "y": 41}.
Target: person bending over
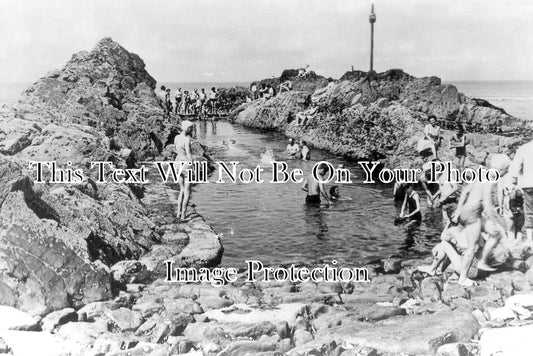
{"x": 411, "y": 206}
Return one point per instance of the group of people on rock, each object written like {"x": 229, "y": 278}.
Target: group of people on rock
{"x": 262, "y": 91}
{"x": 478, "y": 215}
{"x": 433, "y": 140}
{"x": 268, "y": 91}
{"x": 195, "y": 102}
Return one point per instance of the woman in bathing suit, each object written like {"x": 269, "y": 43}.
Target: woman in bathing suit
{"x": 183, "y": 150}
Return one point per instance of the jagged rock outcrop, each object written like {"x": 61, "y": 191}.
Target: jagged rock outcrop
{"x": 309, "y": 83}
{"x": 57, "y": 241}
{"x": 381, "y": 116}
{"x": 107, "y": 88}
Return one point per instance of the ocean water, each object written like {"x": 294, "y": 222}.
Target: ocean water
{"x": 514, "y": 97}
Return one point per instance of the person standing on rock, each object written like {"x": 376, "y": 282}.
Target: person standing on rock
{"x": 168, "y": 103}
{"x": 432, "y": 134}
{"x": 522, "y": 175}
{"x": 459, "y": 142}
{"x": 182, "y": 143}
{"x": 177, "y": 97}
{"x": 476, "y": 214}
{"x": 162, "y": 95}
{"x": 203, "y": 97}
{"x": 213, "y": 101}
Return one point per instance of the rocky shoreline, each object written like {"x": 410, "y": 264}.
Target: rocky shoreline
{"x": 60, "y": 243}
{"x": 383, "y": 118}
{"x": 399, "y": 312}
{"x": 82, "y": 265}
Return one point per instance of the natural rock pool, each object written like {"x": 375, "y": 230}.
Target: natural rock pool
{"x": 271, "y": 223}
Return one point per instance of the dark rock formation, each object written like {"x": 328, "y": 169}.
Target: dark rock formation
{"x": 58, "y": 240}
{"x": 309, "y": 83}
{"x": 107, "y": 88}
{"x": 381, "y": 116}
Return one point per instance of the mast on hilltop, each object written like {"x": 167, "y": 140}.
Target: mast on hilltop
{"x": 372, "y": 20}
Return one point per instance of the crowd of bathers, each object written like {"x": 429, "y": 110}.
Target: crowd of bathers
{"x": 476, "y": 216}
{"x": 194, "y": 102}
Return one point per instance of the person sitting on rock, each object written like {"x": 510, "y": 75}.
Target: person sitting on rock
{"x": 303, "y": 72}
{"x": 451, "y": 250}
{"x": 253, "y": 89}
{"x": 304, "y": 116}
{"x": 285, "y": 86}
{"x": 268, "y": 93}
{"x": 476, "y": 214}
{"x": 432, "y": 134}
{"x": 263, "y": 90}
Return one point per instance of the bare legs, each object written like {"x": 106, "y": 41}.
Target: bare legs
{"x": 472, "y": 233}
{"x": 461, "y": 163}
{"x": 183, "y": 197}
{"x": 496, "y": 232}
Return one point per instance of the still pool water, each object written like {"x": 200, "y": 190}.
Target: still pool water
{"x": 271, "y": 223}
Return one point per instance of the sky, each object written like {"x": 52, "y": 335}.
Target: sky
{"x": 245, "y": 40}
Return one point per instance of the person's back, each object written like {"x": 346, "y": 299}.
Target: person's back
{"x": 181, "y": 142}
{"x": 313, "y": 185}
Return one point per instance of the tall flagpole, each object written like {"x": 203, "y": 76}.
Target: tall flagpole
{"x": 372, "y": 20}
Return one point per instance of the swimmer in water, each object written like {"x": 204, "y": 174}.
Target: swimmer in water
{"x": 293, "y": 149}
{"x": 314, "y": 188}
{"x": 411, "y": 206}
{"x": 335, "y": 194}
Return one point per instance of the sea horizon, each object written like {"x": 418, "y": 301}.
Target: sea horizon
{"x": 515, "y": 97}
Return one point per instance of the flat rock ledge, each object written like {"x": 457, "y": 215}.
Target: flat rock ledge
{"x": 398, "y": 312}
